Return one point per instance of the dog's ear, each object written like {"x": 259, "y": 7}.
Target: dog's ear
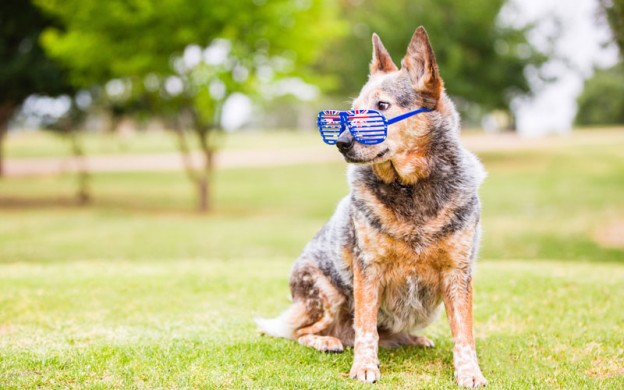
{"x": 382, "y": 62}
{"x": 420, "y": 64}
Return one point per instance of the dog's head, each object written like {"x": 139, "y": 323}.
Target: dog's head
{"x": 393, "y": 92}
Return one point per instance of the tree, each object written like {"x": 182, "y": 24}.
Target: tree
{"x": 481, "y": 61}
{"x": 613, "y": 11}
{"x": 602, "y": 100}
{"x": 24, "y": 67}
{"x": 140, "y": 45}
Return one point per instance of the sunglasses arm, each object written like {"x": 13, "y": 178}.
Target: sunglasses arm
{"x": 407, "y": 115}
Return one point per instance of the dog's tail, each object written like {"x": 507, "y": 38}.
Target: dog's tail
{"x": 285, "y": 325}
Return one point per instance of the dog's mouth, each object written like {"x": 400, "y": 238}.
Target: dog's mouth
{"x": 356, "y": 160}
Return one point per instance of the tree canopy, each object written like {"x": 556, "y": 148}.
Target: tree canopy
{"x": 602, "y": 99}
{"x": 25, "y": 69}
{"x": 613, "y": 11}
{"x": 104, "y": 40}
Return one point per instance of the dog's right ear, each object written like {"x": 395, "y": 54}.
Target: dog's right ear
{"x": 382, "y": 62}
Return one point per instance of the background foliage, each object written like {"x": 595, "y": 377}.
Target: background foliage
{"x": 481, "y": 61}
{"x": 613, "y": 11}
{"x": 25, "y": 69}
{"x": 602, "y": 99}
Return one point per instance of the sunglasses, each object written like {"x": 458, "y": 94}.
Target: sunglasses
{"x": 368, "y": 127}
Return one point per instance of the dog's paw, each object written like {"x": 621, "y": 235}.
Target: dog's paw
{"x": 332, "y": 345}
{"x": 421, "y": 341}
{"x": 321, "y": 343}
{"x": 365, "y": 372}
{"x": 470, "y": 377}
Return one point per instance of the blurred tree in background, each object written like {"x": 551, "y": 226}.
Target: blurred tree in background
{"x": 481, "y": 61}
{"x": 183, "y": 58}
{"x": 24, "y": 67}
{"x": 613, "y": 11}
{"x": 602, "y": 99}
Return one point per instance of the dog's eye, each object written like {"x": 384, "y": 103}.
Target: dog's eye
{"x": 382, "y": 106}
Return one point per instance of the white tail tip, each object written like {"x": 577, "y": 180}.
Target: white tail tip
{"x": 282, "y": 326}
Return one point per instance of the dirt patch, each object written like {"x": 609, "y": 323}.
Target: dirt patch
{"x": 5, "y": 329}
{"x": 611, "y": 235}
{"x": 606, "y": 368}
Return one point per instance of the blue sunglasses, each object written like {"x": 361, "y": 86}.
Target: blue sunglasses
{"x": 368, "y": 127}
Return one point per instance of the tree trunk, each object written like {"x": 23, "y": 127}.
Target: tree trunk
{"x": 205, "y": 174}
{"x": 203, "y": 193}
{"x": 6, "y": 110}
{"x": 185, "y": 153}
{"x": 3, "y": 131}
{"x": 202, "y": 176}
{"x": 83, "y": 176}
{"x": 513, "y": 124}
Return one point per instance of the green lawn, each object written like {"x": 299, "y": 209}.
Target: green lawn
{"x": 137, "y": 291}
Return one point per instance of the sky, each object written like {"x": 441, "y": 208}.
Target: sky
{"x": 581, "y": 44}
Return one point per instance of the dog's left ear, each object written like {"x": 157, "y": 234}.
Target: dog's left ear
{"x": 420, "y": 64}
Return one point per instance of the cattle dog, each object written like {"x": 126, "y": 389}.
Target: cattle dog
{"x": 404, "y": 240}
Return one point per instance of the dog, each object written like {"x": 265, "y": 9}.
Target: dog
{"x": 404, "y": 240}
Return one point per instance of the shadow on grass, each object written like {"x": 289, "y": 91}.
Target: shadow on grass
{"x": 14, "y": 203}
{"x": 121, "y": 204}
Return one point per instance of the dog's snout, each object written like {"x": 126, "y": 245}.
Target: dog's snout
{"x": 344, "y": 142}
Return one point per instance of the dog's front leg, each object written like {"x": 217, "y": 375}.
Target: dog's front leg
{"x": 366, "y": 299}
{"x": 458, "y": 304}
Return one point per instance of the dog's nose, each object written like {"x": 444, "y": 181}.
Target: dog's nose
{"x": 344, "y": 142}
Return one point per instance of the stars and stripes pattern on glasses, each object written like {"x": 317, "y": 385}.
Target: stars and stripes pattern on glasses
{"x": 331, "y": 125}
{"x": 367, "y": 126}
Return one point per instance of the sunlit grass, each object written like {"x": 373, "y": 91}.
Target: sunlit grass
{"x": 187, "y": 323}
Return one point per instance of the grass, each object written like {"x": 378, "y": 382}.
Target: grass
{"x": 137, "y": 291}
{"x": 186, "y": 323}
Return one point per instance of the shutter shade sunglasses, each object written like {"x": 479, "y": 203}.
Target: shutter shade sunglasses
{"x": 368, "y": 127}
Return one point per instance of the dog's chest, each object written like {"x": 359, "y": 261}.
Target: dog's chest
{"x": 410, "y": 281}
{"x": 410, "y": 296}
